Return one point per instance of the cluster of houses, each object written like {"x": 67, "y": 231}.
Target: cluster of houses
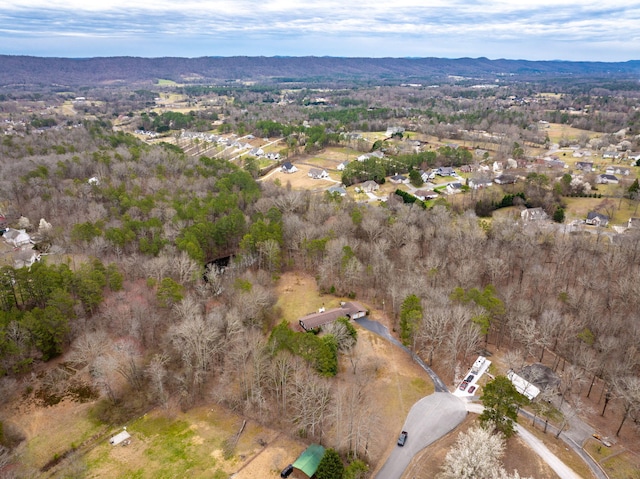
{"x": 231, "y": 142}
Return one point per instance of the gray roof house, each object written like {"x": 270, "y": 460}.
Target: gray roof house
{"x": 607, "y": 179}
{"x": 318, "y": 173}
{"x": 370, "y": 186}
{"x": 597, "y": 219}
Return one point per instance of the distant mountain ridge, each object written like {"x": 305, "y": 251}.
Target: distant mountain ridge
{"x": 27, "y": 70}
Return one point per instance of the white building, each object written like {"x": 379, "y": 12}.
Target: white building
{"x": 523, "y": 386}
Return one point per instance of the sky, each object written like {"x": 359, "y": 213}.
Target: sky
{"x": 577, "y": 30}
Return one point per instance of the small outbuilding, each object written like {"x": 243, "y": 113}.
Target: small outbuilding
{"x": 307, "y": 463}
{"x": 119, "y": 438}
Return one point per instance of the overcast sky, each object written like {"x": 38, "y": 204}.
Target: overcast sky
{"x": 589, "y": 30}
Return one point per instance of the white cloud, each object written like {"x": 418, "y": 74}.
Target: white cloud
{"x": 470, "y": 26}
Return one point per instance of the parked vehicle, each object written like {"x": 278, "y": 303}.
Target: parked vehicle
{"x": 464, "y": 385}
{"x": 402, "y": 439}
{"x": 286, "y": 472}
{"x": 470, "y": 378}
{"x": 471, "y": 389}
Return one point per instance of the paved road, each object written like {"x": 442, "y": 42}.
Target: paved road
{"x": 429, "y": 419}
{"x": 574, "y": 437}
{"x": 561, "y": 469}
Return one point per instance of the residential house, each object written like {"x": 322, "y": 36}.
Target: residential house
{"x": 340, "y": 190}
{"x": 376, "y": 154}
{"x": 425, "y": 176}
{"x": 505, "y": 180}
{"x": 633, "y": 155}
{"x": 617, "y": 170}
{"x": 586, "y": 166}
{"x": 350, "y": 309}
{"x": 554, "y": 163}
{"x": 273, "y": 156}
{"x": 597, "y": 219}
{"x": 362, "y": 158}
{"x": 369, "y": 186}
{"x": 398, "y": 179}
{"x": 533, "y": 214}
{"x": 288, "y": 167}
{"x": 477, "y": 183}
{"x": 394, "y": 130}
{"x": 497, "y": 166}
{"x": 445, "y": 171}
{"x": 607, "y": 179}
{"x": 342, "y": 165}
{"x": 318, "y": 173}
{"x": 612, "y": 154}
{"x": 425, "y": 195}
{"x": 16, "y": 238}
{"x": 256, "y": 152}
{"x": 453, "y": 188}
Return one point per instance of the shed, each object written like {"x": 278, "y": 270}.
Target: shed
{"x": 119, "y": 438}
{"x": 308, "y": 461}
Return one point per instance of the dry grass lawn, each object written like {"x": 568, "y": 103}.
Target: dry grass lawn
{"x": 558, "y": 131}
{"x": 300, "y": 180}
{"x": 617, "y": 461}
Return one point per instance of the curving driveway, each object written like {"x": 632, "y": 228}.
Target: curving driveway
{"x": 429, "y": 419}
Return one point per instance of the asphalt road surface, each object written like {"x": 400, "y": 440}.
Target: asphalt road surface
{"x": 429, "y": 419}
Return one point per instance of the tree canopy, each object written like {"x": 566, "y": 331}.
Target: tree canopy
{"x": 501, "y": 402}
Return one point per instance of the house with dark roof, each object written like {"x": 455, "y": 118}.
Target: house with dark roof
{"x": 446, "y": 171}
{"x": 505, "y": 180}
{"x": 597, "y": 219}
{"x": 453, "y": 188}
{"x": 607, "y": 179}
{"x": 288, "y": 167}
{"x": 398, "y": 179}
{"x": 349, "y": 309}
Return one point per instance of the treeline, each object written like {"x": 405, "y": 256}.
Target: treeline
{"x": 39, "y": 306}
{"x": 174, "y": 120}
